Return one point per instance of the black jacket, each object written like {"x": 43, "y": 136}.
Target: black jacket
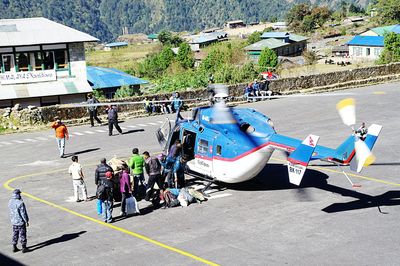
{"x": 112, "y": 114}
{"x": 100, "y": 174}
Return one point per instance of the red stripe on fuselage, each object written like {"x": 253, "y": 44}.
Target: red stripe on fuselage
{"x": 293, "y": 161}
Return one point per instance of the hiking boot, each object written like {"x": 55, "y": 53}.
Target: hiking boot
{"x": 15, "y": 249}
{"x": 25, "y": 249}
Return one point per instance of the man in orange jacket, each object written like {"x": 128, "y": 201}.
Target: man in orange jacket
{"x": 61, "y": 135}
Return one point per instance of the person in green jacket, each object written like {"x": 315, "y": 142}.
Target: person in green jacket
{"x": 136, "y": 163}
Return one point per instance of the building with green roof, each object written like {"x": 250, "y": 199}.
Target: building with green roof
{"x": 282, "y": 43}
{"x": 380, "y": 31}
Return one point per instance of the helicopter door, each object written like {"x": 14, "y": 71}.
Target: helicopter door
{"x": 188, "y": 143}
{"x": 163, "y": 133}
{"x": 204, "y": 150}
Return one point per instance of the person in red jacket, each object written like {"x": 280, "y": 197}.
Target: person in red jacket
{"x": 61, "y": 134}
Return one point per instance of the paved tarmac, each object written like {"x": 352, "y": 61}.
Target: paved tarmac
{"x": 265, "y": 221}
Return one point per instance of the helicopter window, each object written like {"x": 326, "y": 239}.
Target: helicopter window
{"x": 219, "y": 150}
{"x": 246, "y": 127}
{"x": 202, "y": 146}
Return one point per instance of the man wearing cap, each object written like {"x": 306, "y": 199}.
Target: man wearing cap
{"x": 61, "y": 134}
{"x": 19, "y": 220}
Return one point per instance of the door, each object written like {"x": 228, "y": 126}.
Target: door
{"x": 163, "y": 133}
{"x": 204, "y": 155}
{"x": 8, "y": 62}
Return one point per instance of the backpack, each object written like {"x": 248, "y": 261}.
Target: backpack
{"x": 170, "y": 200}
{"x": 101, "y": 191}
{"x": 197, "y": 195}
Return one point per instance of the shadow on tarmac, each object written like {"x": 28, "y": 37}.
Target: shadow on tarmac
{"x": 80, "y": 152}
{"x": 132, "y": 131}
{"x": 9, "y": 261}
{"x": 63, "y": 238}
{"x": 275, "y": 177}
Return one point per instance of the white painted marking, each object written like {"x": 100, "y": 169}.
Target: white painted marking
{"x": 88, "y": 132}
{"x": 78, "y": 134}
{"x": 6, "y": 143}
{"x": 18, "y": 141}
{"x": 160, "y": 122}
{"x": 219, "y": 196}
{"x": 31, "y": 140}
{"x": 132, "y": 126}
{"x": 172, "y": 120}
{"x": 100, "y": 131}
{"x": 123, "y": 128}
{"x": 42, "y": 163}
{"x": 142, "y": 125}
{"x": 70, "y": 199}
{"x": 153, "y": 124}
{"x": 41, "y": 138}
{"x": 52, "y": 136}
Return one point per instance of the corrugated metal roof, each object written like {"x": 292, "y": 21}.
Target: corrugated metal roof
{"x": 102, "y": 78}
{"x": 266, "y": 43}
{"x": 367, "y": 41}
{"x": 116, "y": 44}
{"x": 31, "y": 31}
{"x": 297, "y": 38}
{"x": 152, "y": 36}
{"x": 382, "y": 30}
{"x": 209, "y": 37}
{"x": 273, "y": 34}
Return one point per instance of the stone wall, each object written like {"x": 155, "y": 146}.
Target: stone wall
{"x": 333, "y": 80}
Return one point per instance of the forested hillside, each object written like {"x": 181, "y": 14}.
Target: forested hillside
{"x": 104, "y": 19}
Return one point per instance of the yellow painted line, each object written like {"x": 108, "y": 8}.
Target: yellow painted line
{"x": 349, "y": 174}
{"x": 142, "y": 237}
{"x": 379, "y": 92}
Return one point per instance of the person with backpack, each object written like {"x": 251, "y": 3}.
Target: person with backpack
{"x": 99, "y": 177}
{"x": 153, "y": 169}
{"x": 125, "y": 188}
{"x": 105, "y": 194}
{"x": 136, "y": 163}
{"x": 19, "y": 220}
{"x": 92, "y": 109}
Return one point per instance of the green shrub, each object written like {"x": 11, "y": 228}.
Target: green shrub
{"x": 124, "y": 92}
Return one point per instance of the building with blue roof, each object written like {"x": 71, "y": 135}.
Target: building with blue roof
{"x": 109, "y": 80}
{"x": 366, "y": 47}
{"x": 205, "y": 39}
{"x": 114, "y": 45}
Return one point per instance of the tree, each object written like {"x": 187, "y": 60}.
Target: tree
{"x": 164, "y": 37}
{"x": 185, "y": 56}
{"x": 320, "y": 15}
{"x": 391, "y": 52}
{"x": 310, "y": 57}
{"x": 308, "y": 24}
{"x": 388, "y": 11}
{"x": 268, "y": 58}
{"x": 254, "y": 37}
{"x": 297, "y": 13}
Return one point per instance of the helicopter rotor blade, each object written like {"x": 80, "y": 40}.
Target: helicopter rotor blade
{"x": 347, "y": 111}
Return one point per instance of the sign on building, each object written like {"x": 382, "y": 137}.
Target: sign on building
{"x": 27, "y": 77}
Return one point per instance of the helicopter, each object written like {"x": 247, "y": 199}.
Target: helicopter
{"x": 232, "y": 144}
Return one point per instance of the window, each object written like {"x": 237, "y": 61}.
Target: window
{"x": 48, "y": 60}
{"x": 368, "y": 51}
{"x": 202, "y": 146}
{"x": 36, "y": 60}
{"x": 357, "y": 51}
{"x": 7, "y": 62}
{"x": 61, "y": 58}
{"x": 22, "y": 61}
{"x": 219, "y": 150}
{"x": 377, "y": 51}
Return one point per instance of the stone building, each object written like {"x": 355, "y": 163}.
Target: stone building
{"x": 42, "y": 63}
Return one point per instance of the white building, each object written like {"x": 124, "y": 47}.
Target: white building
{"x": 42, "y": 63}
{"x": 366, "y": 47}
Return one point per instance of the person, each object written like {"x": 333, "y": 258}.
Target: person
{"x": 61, "y": 135}
{"x": 75, "y": 170}
{"x": 19, "y": 220}
{"x": 147, "y": 106}
{"x": 256, "y": 88}
{"x": 248, "y": 91}
{"x": 136, "y": 163}
{"x": 177, "y": 104}
{"x": 166, "y": 106}
{"x": 99, "y": 176}
{"x": 179, "y": 171}
{"x": 113, "y": 119}
{"x": 362, "y": 131}
{"x": 153, "y": 170}
{"x": 125, "y": 188}
{"x": 107, "y": 197}
{"x": 211, "y": 79}
{"x": 92, "y": 109}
